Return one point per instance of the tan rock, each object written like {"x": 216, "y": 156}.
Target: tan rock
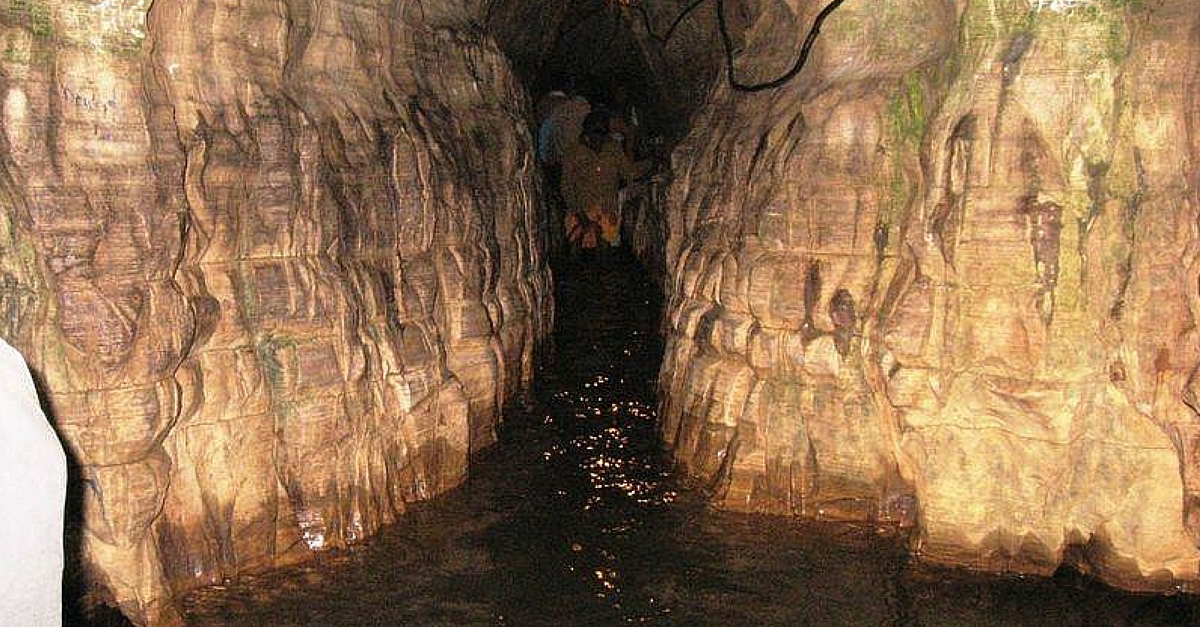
{"x": 278, "y": 267}
{"x": 969, "y": 251}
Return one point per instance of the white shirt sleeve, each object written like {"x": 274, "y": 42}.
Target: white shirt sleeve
{"x": 33, "y": 486}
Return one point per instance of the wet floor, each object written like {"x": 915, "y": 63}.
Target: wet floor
{"x": 575, "y": 518}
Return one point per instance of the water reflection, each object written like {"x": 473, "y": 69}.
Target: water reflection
{"x": 574, "y": 519}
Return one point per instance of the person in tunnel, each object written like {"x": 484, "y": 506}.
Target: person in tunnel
{"x": 624, "y": 123}
{"x": 592, "y": 174}
{"x": 561, "y": 118}
{"x": 545, "y": 109}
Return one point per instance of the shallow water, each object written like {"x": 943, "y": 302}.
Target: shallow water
{"x": 575, "y": 518}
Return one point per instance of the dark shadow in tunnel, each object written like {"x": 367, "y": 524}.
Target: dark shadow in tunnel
{"x": 80, "y": 609}
{"x": 589, "y": 48}
{"x": 651, "y": 63}
{"x": 661, "y": 56}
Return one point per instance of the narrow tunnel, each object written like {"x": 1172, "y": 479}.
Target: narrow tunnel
{"x": 659, "y": 57}
{"x": 903, "y": 332}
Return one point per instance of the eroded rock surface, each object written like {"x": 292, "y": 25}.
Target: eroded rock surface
{"x": 278, "y": 264}
{"x": 948, "y": 277}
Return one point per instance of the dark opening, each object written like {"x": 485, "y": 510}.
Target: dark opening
{"x": 660, "y": 56}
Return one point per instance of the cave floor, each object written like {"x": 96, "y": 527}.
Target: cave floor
{"x": 575, "y": 518}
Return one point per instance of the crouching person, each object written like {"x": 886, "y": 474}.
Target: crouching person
{"x": 593, "y": 171}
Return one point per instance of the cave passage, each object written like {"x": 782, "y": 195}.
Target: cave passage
{"x": 575, "y": 518}
{"x": 656, "y": 58}
{"x": 281, "y": 271}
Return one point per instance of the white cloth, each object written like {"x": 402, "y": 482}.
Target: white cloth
{"x": 33, "y": 489}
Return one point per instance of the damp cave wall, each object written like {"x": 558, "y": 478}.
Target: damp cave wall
{"x": 276, "y": 265}
{"x": 948, "y": 278}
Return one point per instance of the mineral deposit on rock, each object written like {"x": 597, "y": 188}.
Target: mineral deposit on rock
{"x": 948, "y": 277}
{"x": 278, "y": 265}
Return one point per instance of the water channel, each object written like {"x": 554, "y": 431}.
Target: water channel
{"x": 575, "y": 518}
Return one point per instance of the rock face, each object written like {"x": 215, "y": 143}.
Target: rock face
{"x": 33, "y": 492}
{"x": 949, "y": 277}
{"x": 278, "y": 264}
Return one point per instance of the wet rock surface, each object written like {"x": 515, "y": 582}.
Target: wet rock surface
{"x": 575, "y": 518}
{"x": 947, "y": 277}
{"x": 277, "y": 265}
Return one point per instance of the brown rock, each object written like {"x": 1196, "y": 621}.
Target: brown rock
{"x": 278, "y": 269}
{"x": 968, "y": 254}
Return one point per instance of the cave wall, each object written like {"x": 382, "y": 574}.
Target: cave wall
{"x": 276, "y": 266}
{"x": 948, "y": 277}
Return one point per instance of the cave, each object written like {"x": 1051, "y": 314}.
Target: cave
{"x": 905, "y": 334}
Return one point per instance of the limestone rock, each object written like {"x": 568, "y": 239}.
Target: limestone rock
{"x": 948, "y": 277}
{"x": 279, "y": 265}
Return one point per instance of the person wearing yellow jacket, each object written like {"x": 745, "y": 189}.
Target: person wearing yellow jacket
{"x": 593, "y": 170}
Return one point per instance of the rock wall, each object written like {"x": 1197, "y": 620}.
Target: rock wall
{"x": 949, "y": 277}
{"x": 277, "y": 265}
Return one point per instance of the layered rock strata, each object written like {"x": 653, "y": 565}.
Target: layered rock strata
{"x": 278, "y": 266}
{"x": 948, "y": 277}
